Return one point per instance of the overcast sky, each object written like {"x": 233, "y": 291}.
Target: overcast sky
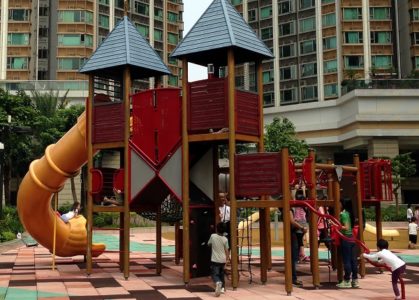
{"x": 193, "y": 10}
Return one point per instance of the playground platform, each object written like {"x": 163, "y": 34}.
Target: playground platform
{"x": 25, "y": 273}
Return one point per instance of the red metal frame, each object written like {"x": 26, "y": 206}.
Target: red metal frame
{"x": 97, "y": 181}
{"x": 376, "y": 180}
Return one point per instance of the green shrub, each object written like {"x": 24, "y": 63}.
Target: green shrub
{"x": 388, "y": 213}
{"x": 7, "y": 236}
{"x": 9, "y": 221}
{"x": 104, "y": 219}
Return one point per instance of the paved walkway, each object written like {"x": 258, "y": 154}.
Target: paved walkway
{"x": 25, "y": 273}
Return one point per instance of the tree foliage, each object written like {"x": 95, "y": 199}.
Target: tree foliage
{"x": 403, "y": 166}
{"x": 280, "y": 134}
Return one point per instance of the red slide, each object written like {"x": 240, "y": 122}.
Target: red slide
{"x": 336, "y": 233}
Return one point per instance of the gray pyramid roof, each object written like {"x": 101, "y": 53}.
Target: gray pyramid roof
{"x": 125, "y": 46}
{"x": 221, "y": 26}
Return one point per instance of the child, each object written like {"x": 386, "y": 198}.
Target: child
{"x": 219, "y": 256}
{"x": 385, "y": 256}
{"x": 413, "y": 233}
{"x": 74, "y": 212}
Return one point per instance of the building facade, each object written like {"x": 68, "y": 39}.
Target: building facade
{"x": 50, "y": 40}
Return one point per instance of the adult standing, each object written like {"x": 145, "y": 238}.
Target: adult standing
{"x": 409, "y": 212}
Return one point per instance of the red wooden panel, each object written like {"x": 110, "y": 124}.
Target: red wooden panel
{"x": 157, "y": 123}
{"x": 247, "y": 108}
{"x": 207, "y": 105}
{"x": 118, "y": 180}
{"x": 108, "y": 123}
{"x": 258, "y": 174}
{"x": 97, "y": 181}
{"x": 376, "y": 180}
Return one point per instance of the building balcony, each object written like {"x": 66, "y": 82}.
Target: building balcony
{"x": 19, "y": 27}
{"x": 351, "y": 85}
{"x": 380, "y": 3}
{"x": 381, "y": 49}
{"x": 76, "y": 4}
{"x": 353, "y": 25}
{"x": 75, "y": 28}
{"x": 414, "y": 3}
{"x": 20, "y": 4}
{"x": 74, "y": 52}
{"x": 353, "y": 49}
{"x": 381, "y": 25}
{"x": 351, "y": 3}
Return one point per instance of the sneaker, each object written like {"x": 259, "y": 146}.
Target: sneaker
{"x": 297, "y": 283}
{"x": 218, "y": 288}
{"x": 344, "y": 285}
{"x": 355, "y": 283}
{"x": 223, "y": 290}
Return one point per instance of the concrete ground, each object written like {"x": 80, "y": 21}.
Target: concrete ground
{"x": 25, "y": 273}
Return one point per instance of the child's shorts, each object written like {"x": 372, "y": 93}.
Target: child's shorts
{"x": 413, "y": 238}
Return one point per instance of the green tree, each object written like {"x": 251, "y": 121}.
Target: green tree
{"x": 403, "y": 166}
{"x": 280, "y": 134}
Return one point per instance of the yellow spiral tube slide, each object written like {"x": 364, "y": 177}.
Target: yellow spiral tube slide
{"x": 47, "y": 176}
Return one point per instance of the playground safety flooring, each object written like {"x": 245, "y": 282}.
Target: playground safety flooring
{"x": 25, "y": 273}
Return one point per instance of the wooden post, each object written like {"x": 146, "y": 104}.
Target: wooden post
{"x": 359, "y": 212}
{"x": 158, "y": 242}
{"x": 54, "y": 240}
{"x": 336, "y": 198}
{"x": 314, "y": 243}
{"x": 121, "y": 240}
{"x": 286, "y": 220}
{"x": 231, "y": 153}
{"x": 378, "y": 223}
{"x": 89, "y": 107}
{"x": 127, "y": 168}
{"x": 185, "y": 172}
{"x": 177, "y": 247}
{"x": 330, "y": 196}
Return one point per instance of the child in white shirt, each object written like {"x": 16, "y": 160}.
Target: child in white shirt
{"x": 413, "y": 233}
{"x": 389, "y": 259}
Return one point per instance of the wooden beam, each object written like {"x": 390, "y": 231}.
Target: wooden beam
{"x": 185, "y": 172}
{"x": 360, "y": 214}
{"x": 89, "y": 108}
{"x": 286, "y": 220}
{"x": 333, "y": 167}
{"x": 112, "y": 145}
{"x": 336, "y": 195}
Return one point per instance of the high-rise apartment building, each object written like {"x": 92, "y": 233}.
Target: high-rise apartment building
{"x": 51, "y": 39}
{"x": 320, "y": 45}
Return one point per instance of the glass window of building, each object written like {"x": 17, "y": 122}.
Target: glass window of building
{"x": 172, "y": 38}
{"x": 70, "y": 63}
{"x": 172, "y": 17}
{"x": 353, "y": 37}
{"x": 17, "y": 63}
{"x": 287, "y": 28}
{"x": 43, "y": 11}
{"x": 158, "y": 35}
{"x": 119, "y": 3}
{"x": 143, "y": 29}
{"x": 18, "y": 39}
{"x": 380, "y": 13}
{"x": 104, "y": 2}
{"x": 380, "y": 37}
{"x": 415, "y": 38}
{"x": 330, "y": 66}
{"x": 236, "y": 2}
{"x": 287, "y": 51}
{"x": 43, "y": 53}
{"x": 330, "y": 90}
{"x": 309, "y": 93}
{"x": 173, "y": 80}
{"x": 268, "y": 99}
{"x": 354, "y": 62}
{"x": 266, "y": 33}
{"x": 329, "y": 20}
{"x": 158, "y": 14}
{"x": 288, "y": 96}
{"x": 329, "y": 43}
{"x": 309, "y": 69}
{"x": 353, "y": 13}
{"x": 414, "y": 14}
{"x": 285, "y": 7}
{"x": 75, "y": 40}
{"x": 252, "y": 15}
{"x": 416, "y": 62}
{"x": 141, "y": 8}
{"x": 19, "y": 14}
{"x": 381, "y": 61}
{"x": 307, "y": 47}
{"x": 304, "y": 4}
{"x": 328, "y": 1}
{"x": 75, "y": 16}
{"x": 171, "y": 60}
{"x": 288, "y": 73}
{"x": 266, "y": 12}
{"x": 268, "y": 76}
{"x": 104, "y": 21}
{"x": 308, "y": 24}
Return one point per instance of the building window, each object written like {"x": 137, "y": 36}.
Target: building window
{"x": 171, "y": 60}
{"x": 104, "y": 21}
{"x": 104, "y": 2}
{"x": 236, "y": 2}
{"x": 288, "y": 96}
{"x": 354, "y": 13}
{"x": 308, "y": 24}
{"x": 307, "y": 4}
{"x": 288, "y": 73}
{"x": 173, "y": 80}
{"x": 307, "y": 47}
{"x": 328, "y": 1}
{"x": 415, "y": 38}
{"x": 75, "y": 40}
{"x": 43, "y": 32}
{"x": 354, "y": 62}
{"x": 43, "y": 53}
{"x": 380, "y": 13}
{"x": 172, "y": 17}
{"x": 266, "y": 12}
{"x": 329, "y": 43}
{"x": 119, "y": 3}
{"x": 268, "y": 76}
{"x": 266, "y": 33}
{"x": 158, "y": 35}
{"x": 75, "y": 16}
{"x": 309, "y": 69}
{"x": 416, "y": 62}
{"x": 141, "y": 8}
{"x": 287, "y": 51}
{"x": 287, "y": 28}
{"x": 309, "y": 93}
{"x": 172, "y": 38}
{"x": 414, "y": 14}
{"x": 18, "y": 39}
{"x": 268, "y": 99}
{"x": 70, "y": 63}
{"x": 158, "y": 14}
{"x": 380, "y": 37}
{"x": 330, "y": 66}
{"x": 43, "y": 11}
{"x": 17, "y": 63}
{"x": 252, "y": 15}
{"x": 330, "y": 90}
{"x": 19, "y": 15}
{"x": 42, "y": 75}
{"x": 381, "y": 61}
{"x": 353, "y": 37}
{"x": 143, "y": 29}
{"x": 286, "y": 7}
{"x": 329, "y": 20}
